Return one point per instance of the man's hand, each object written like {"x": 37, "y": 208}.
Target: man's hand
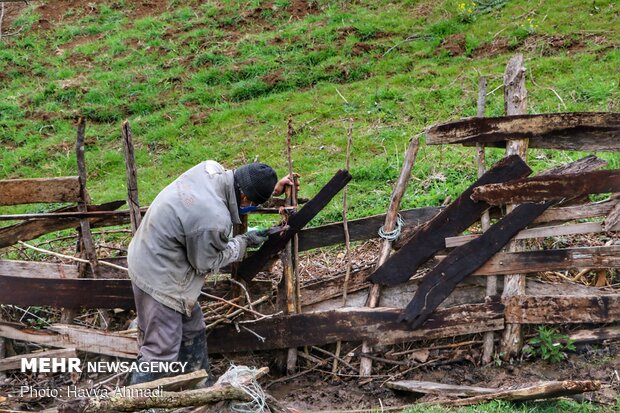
{"x": 255, "y": 238}
{"x": 286, "y": 181}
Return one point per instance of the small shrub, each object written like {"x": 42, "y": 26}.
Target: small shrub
{"x": 549, "y": 345}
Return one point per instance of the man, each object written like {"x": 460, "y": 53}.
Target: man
{"x": 184, "y": 236}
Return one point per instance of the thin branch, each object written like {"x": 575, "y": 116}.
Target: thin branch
{"x": 69, "y": 257}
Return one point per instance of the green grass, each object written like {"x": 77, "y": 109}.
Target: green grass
{"x": 219, "y": 81}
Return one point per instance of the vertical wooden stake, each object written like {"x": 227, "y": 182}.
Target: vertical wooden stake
{"x": 390, "y": 223}
{"x": 132, "y": 178}
{"x": 485, "y": 221}
{"x": 515, "y": 103}
{"x": 290, "y": 257}
{"x": 86, "y": 246}
{"x": 347, "y": 242}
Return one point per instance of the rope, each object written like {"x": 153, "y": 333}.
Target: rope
{"x": 236, "y": 376}
{"x": 395, "y": 233}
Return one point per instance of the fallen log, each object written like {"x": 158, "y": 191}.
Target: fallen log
{"x": 548, "y": 188}
{"x": 142, "y": 399}
{"x": 439, "y": 389}
{"x": 252, "y": 265}
{"x": 543, "y": 390}
{"x": 526, "y": 309}
{"x": 454, "y": 219}
{"x": 590, "y": 132}
{"x": 29, "y": 191}
{"x": 35, "y": 228}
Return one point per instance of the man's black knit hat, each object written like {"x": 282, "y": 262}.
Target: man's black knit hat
{"x": 256, "y": 181}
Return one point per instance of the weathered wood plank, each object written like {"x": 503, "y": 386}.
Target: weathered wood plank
{"x": 526, "y": 309}
{"x": 540, "y": 232}
{"x": 12, "y": 363}
{"x": 35, "y": 190}
{"x": 37, "y": 269}
{"x": 378, "y": 326}
{"x": 548, "y": 188}
{"x": 464, "y": 260}
{"x": 325, "y": 289}
{"x": 174, "y": 383}
{"x": 35, "y": 228}
{"x": 132, "y": 178}
{"x": 454, "y": 219}
{"x": 276, "y": 242}
{"x": 551, "y": 260}
{"x": 68, "y": 293}
{"x": 440, "y": 389}
{"x": 592, "y": 132}
{"x": 360, "y": 229}
{"x": 81, "y": 338}
{"x": 612, "y": 221}
{"x": 596, "y": 335}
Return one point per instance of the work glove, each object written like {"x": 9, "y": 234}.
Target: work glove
{"x": 255, "y": 238}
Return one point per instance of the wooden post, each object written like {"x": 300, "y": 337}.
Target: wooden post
{"x": 485, "y": 219}
{"x": 386, "y": 247}
{"x": 347, "y": 243}
{"x": 132, "y": 179}
{"x": 289, "y": 261}
{"x": 85, "y": 245}
{"x": 515, "y": 103}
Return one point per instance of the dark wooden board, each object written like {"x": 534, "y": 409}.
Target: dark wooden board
{"x": 438, "y": 284}
{"x": 359, "y": 229}
{"x": 548, "y": 188}
{"x": 34, "y": 228}
{"x": 276, "y": 242}
{"x": 67, "y": 293}
{"x": 454, "y": 219}
{"x": 90, "y": 293}
{"x": 532, "y": 309}
{"x": 376, "y": 325}
{"x": 571, "y": 131}
{"x": 28, "y": 191}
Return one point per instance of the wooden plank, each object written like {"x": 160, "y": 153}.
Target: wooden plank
{"x": 548, "y": 188}
{"x": 543, "y": 390}
{"x": 360, "y": 229}
{"x": 596, "y": 335}
{"x": 551, "y": 260}
{"x": 68, "y": 293}
{"x": 464, "y": 260}
{"x": 562, "y": 309}
{"x": 276, "y": 242}
{"x": 454, "y": 219}
{"x": 330, "y": 288}
{"x": 540, "y": 232}
{"x": 439, "y": 389}
{"x": 35, "y": 228}
{"x": 590, "y": 132}
{"x": 378, "y": 326}
{"x": 81, "y": 338}
{"x": 612, "y": 221}
{"x": 174, "y": 383}
{"x": 35, "y": 190}
{"x": 35, "y": 269}
{"x": 13, "y": 363}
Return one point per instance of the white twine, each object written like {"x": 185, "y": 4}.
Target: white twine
{"x": 235, "y": 376}
{"x": 395, "y": 233}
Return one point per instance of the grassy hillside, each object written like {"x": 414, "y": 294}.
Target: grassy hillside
{"x": 217, "y": 80}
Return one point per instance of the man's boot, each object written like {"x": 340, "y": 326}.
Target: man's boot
{"x": 138, "y": 377}
{"x": 194, "y": 353}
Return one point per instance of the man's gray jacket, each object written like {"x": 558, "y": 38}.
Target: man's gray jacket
{"x": 184, "y": 235}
